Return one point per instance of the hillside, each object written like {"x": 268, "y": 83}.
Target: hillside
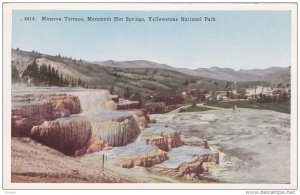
{"x": 145, "y": 81}
{"x": 134, "y": 64}
{"x": 272, "y": 74}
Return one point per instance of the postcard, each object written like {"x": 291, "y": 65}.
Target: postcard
{"x": 150, "y": 96}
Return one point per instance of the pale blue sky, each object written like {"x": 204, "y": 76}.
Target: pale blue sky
{"x": 239, "y": 40}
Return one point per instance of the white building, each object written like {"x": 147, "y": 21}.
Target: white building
{"x": 234, "y": 92}
{"x": 255, "y": 91}
{"x": 221, "y": 97}
{"x": 277, "y": 91}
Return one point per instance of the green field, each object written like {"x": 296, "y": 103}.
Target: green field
{"x": 195, "y": 109}
{"x": 284, "y": 107}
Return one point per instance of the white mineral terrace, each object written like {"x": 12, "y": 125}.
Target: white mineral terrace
{"x": 91, "y": 100}
{"x": 176, "y": 156}
{"x": 139, "y": 146}
{"x": 134, "y": 149}
{"x": 183, "y": 154}
{"x": 158, "y": 129}
{"x": 116, "y": 127}
{"x": 254, "y": 145}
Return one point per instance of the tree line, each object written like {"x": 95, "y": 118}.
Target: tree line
{"x": 44, "y": 75}
{"x": 280, "y": 97}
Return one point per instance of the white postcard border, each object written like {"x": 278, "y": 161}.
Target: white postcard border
{"x": 7, "y": 38}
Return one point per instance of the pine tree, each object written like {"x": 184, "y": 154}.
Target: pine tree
{"x": 49, "y": 69}
{"x": 61, "y": 79}
{"x": 186, "y": 83}
{"x": 126, "y": 93}
{"x": 43, "y": 73}
{"x": 53, "y": 71}
{"x": 112, "y": 90}
{"x": 32, "y": 70}
{"x": 66, "y": 82}
{"x": 14, "y": 74}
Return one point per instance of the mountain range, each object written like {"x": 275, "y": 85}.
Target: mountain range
{"x": 280, "y": 74}
{"x": 145, "y": 77}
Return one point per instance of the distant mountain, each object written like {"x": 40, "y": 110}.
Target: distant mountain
{"x": 226, "y": 74}
{"x": 272, "y": 74}
{"x": 145, "y": 64}
{"x": 267, "y": 71}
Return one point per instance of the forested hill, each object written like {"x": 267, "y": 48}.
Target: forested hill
{"x": 45, "y": 70}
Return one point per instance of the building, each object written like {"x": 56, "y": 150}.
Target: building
{"x": 173, "y": 100}
{"x": 221, "y": 93}
{"x": 156, "y": 107}
{"x": 167, "y": 99}
{"x": 127, "y": 104}
{"x": 221, "y": 97}
{"x": 208, "y": 96}
{"x": 280, "y": 91}
{"x": 197, "y": 92}
{"x": 255, "y": 91}
{"x": 157, "y": 98}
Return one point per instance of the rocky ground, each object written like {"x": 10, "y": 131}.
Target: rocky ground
{"x": 33, "y": 162}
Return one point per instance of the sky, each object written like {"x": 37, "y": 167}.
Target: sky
{"x": 237, "y": 39}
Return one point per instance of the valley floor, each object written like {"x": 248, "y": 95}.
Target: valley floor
{"x": 284, "y": 107}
